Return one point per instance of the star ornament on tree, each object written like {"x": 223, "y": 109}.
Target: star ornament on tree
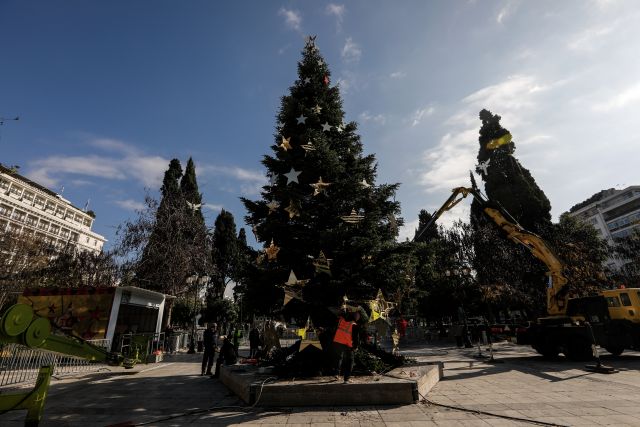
{"x": 272, "y": 252}
{"x": 301, "y": 119}
{"x": 353, "y": 217}
{"x": 194, "y": 206}
{"x": 322, "y": 264}
{"x": 293, "y": 210}
{"x": 308, "y": 147}
{"x": 326, "y": 127}
{"x": 319, "y": 187}
{"x": 317, "y": 109}
{"x": 483, "y": 167}
{"x": 292, "y": 176}
{"x": 364, "y": 183}
{"x": 307, "y": 80}
{"x": 273, "y": 205}
{"x": 285, "y": 145}
{"x": 293, "y": 280}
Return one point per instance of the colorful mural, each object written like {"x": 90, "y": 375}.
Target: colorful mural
{"x": 81, "y": 312}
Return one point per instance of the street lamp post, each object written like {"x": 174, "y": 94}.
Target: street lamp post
{"x": 462, "y": 273}
{"x": 195, "y": 279}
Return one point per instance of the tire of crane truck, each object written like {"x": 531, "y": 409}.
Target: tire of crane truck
{"x": 547, "y": 351}
{"x": 578, "y": 349}
{"x": 615, "y": 350}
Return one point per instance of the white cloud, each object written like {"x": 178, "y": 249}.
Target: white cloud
{"x": 407, "y": 231}
{"x": 212, "y": 207}
{"x": 590, "y": 39}
{"x": 130, "y": 205}
{"x": 365, "y": 116}
{"x": 505, "y": 11}
{"x": 421, "y": 113}
{"x": 448, "y": 164}
{"x": 234, "y": 172}
{"x": 337, "y": 10}
{"x": 398, "y": 75}
{"x": 620, "y": 100}
{"x": 351, "y": 52}
{"x": 292, "y": 18}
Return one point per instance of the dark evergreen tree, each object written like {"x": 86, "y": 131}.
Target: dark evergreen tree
{"x": 509, "y": 274}
{"x": 225, "y": 252}
{"x": 319, "y": 176}
{"x": 506, "y": 181}
{"x": 196, "y": 231}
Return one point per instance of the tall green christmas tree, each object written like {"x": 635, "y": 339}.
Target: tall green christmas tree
{"x": 322, "y": 217}
{"x": 196, "y": 230}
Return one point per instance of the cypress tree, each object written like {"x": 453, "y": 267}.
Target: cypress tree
{"x": 508, "y": 274}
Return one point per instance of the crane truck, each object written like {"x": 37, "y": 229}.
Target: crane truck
{"x": 610, "y": 319}
{"x": 20, "y": 325}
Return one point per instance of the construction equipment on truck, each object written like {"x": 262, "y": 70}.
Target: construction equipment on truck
{"x": 611, "y": 318}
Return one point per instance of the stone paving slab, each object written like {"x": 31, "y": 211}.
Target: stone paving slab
{"x": 524, "y": 386}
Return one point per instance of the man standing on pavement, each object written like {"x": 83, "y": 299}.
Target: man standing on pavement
{"x": 209, "y": 341}
{"x": 344, "y": 344}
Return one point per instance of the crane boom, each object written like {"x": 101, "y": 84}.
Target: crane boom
{"x": 557, "y": 294}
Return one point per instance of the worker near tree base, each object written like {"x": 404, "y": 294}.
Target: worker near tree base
{"x": 345, "y": 340}
{"x": 209, "y": 339}
{"x": 227, "y": 355}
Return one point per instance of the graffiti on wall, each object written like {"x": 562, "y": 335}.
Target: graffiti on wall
{"x": 81, "y": 312}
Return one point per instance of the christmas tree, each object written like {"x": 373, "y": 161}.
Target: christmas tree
{"x": 326, "y": 227}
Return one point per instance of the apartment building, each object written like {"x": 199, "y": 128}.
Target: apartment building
{"x": 28, "y": 207}
{"x": 614, "y": 213}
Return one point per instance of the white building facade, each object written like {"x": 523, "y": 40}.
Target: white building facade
{"x": 615, "y": 215}
{"x": 28, "y": 207}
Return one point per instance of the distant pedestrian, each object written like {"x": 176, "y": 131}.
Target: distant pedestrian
{"x": 254, "y": 342}
{"x": 209, "y": 342}
{"x": 237, "y": 334}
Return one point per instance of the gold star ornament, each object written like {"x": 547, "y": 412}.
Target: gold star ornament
{"x": 319, "y": 187}
{"x": 293, "y": 210}
{"x": 285, "y": 145}
{"x": 272, "y": 252}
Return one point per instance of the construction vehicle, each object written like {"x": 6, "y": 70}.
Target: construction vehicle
{"x": 611, "y": 318}
{"x": 20, "y": 325}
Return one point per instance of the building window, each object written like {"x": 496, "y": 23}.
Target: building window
{"x": 60, "y": 212}
{"x": 54, "y": 229}
{"x": 18, "y": 215}
{"x": 15, "y": 191}
{"x": 4, "y": 184}
{"x": 44, "y": 225}
{"x": 39, "y": 202}
{"x": 5, "y": 210}
{"x": 27, "y": 197}
{"x": 32, "y": 221}
{"x": 50, "y": 207}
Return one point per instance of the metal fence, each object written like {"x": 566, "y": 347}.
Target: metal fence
{"x": 19, "y": 365}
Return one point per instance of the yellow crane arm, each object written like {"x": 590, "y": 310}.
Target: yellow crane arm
{"x": 557, "y": 289}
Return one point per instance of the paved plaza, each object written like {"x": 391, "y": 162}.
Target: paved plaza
{"x": 523, "y": 387}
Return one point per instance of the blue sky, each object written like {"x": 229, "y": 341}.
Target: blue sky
{"x": 109, "y": 92}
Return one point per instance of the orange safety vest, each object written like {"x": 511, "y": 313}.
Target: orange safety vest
{"x": 343, "y": 333}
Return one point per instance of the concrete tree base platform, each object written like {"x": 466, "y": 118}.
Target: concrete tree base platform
{"x": 403, "y": 385}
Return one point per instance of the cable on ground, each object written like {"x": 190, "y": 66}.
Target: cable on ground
{"x": 210, "y": 409}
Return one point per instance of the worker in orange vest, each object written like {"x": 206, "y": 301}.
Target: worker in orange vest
{"x": 344, "y": 343}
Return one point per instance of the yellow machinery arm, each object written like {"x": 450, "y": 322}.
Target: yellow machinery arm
{"x": 20, "y": 325}
{"x": 557, "y": 289}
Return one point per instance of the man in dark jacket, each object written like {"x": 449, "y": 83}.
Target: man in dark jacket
{"x": 209, "y": 339}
